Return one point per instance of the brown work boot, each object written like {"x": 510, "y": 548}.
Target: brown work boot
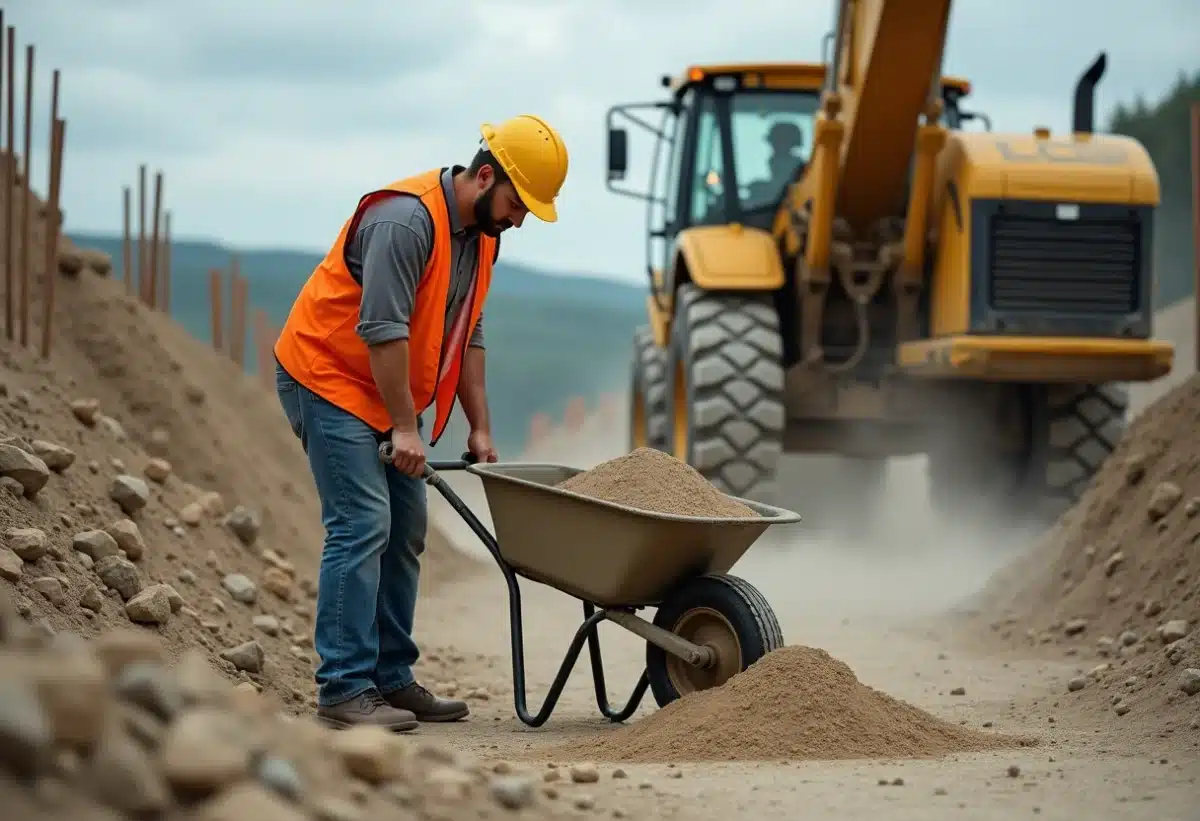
{"x": 368, "y": 708}
{"x": 425, "y": 705}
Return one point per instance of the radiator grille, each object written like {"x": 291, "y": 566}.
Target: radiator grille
{"x": 1052, "y": 266}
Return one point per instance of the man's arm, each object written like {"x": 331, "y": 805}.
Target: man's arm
{"x": 472, "y": 390}
{"x": 393, "y": 254}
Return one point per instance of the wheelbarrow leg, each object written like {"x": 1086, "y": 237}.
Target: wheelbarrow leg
{"x": 639, "y": 689}
{"x": 586, "y": 632}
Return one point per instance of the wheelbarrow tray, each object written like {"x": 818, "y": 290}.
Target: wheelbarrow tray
{"x": 609, "y": 554}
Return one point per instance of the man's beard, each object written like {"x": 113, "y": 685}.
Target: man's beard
{"x": 483, "y": 215}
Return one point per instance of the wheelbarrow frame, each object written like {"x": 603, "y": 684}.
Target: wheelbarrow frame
{"x": 587, "y": 632}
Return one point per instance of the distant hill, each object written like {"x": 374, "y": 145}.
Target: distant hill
{"x": 549, "y": 337}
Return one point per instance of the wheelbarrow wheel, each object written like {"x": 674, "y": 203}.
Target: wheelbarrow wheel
{"x": 722, "y": 612}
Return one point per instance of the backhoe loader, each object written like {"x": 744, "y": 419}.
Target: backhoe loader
{"x": 845, "y": 260}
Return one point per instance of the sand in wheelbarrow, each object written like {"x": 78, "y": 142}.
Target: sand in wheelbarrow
{"x": 657, "y": 482}
{"x": 795, "y": 703}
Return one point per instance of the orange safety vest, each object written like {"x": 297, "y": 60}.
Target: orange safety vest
{"x": 320, "y": 349}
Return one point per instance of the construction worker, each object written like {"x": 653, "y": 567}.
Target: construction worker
{"x": 388, "y": 328}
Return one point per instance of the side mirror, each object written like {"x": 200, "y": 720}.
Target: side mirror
{"x": 618, "y": 153}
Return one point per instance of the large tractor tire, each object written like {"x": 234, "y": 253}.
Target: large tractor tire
{"x": 649, "y": 421}
{"x": 725, "y": 390}
{"x": 1068, "y": 433}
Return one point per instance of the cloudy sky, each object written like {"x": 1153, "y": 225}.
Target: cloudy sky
{"x": 269, "y": 118}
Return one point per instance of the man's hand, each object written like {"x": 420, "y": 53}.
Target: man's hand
{"x": 408, "y": 453}
{"x": 481, "y": 447}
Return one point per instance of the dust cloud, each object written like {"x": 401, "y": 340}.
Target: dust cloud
{"x": 897, "y": 562}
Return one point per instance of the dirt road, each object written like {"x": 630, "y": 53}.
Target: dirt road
{"x": 879, "y": 606}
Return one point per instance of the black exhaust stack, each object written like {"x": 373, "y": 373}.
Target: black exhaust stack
{"x": 1085, "y": 96}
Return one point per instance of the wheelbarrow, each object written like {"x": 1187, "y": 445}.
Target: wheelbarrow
{"x": 616, "y": 559}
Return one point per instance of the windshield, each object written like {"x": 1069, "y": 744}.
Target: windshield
{"x": 772, "y": 140}
{"x": 771, "y": 135}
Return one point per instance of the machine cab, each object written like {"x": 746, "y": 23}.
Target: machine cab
{"x": 726, "y": 146}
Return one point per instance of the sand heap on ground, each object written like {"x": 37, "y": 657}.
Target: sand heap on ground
{"x": 109, "y": 729}
{"x": 651, "y": 480}
{"x": 1117, "y": 581}
{"x": 795, "y": 703}
{"x": 147, "y": 482}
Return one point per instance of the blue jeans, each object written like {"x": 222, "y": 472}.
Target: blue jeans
{"x": 374, "y": 519}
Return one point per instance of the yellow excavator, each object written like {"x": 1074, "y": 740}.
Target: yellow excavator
{"x": 843, "y": 259}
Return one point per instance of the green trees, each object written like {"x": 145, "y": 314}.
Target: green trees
{"x": 1164, "y": 129}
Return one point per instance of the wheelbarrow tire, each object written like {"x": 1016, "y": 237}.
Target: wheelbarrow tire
{"x": 714, "y": 602}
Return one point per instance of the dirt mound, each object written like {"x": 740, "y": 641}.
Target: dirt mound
{"x": 1117, "y": 581}
{"x": 795, "y": 703}
{"x": 651, "y": 480}
{"x": 148, "y": 481}
{"x": 109, "y": 729}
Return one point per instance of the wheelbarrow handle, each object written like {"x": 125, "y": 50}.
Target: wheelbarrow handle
{"x": 468, "y": 458}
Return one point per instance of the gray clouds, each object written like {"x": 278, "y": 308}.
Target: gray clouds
{"x": 271, "y": 117}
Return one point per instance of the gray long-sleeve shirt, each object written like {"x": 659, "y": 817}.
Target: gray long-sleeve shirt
{"x": 387, "y": 257}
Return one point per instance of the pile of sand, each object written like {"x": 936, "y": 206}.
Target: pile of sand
{"x": 1116, "y": 582}
{"x": 109, "y": 729}
{"x": 795, "y": 703}
{"x": 654, "y": 481}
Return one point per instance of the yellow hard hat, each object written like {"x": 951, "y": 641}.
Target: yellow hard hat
{"x": 535, "y": 158}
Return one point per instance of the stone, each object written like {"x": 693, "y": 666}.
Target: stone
{"x": 513, "y": 792}
{"x": 267, "y": 624}
{"x": 96, "y": 544}
{"x": 191, "y": 514}
{"x": 332, "y": 808}
{"x": 1189, "y": 681}
{"x": 86, "y": 410}
{"x": 11, "y": 566}
{"x": 128, "y": 537}
{"x": 52, "y": 590}
{"x": 119, "y": 574}
{"x": 25, "y": 735}
{"x": 244, "y": 523}
{"x": 1076, "y": 684}
{"x": 72, "y": 686}
{"x": 240, "y": 588}
{"x": 123, "y": 776}
{"x": 129, "y": 492}
{"x": 157, "y": 470}
{"x": 585, "y": 773}
{"x": 150, "y": 686}
{"x": 199, "y": 682}
{"x": 151, "y": 606}
{"x": 112, "y": 427}
{"x": 57, "y": 457}
{"x": 29, "y": 543}
{"x": 1163, "y": 500}
{"x": 123, "y": 646}
{"x": 278, "y": 583}
{"x": 27, "y": 469}
{"x": 92, "y": 599}
{"x": 1075, "y": 626}
{"x": 208, "y": 749}
{"x": 1173, "y": 630}
{"x": 248, "y": 656}
{"x": 369, "y": 752}
{"x": 280, "y": 776}
{"x": 173, "y": 597}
